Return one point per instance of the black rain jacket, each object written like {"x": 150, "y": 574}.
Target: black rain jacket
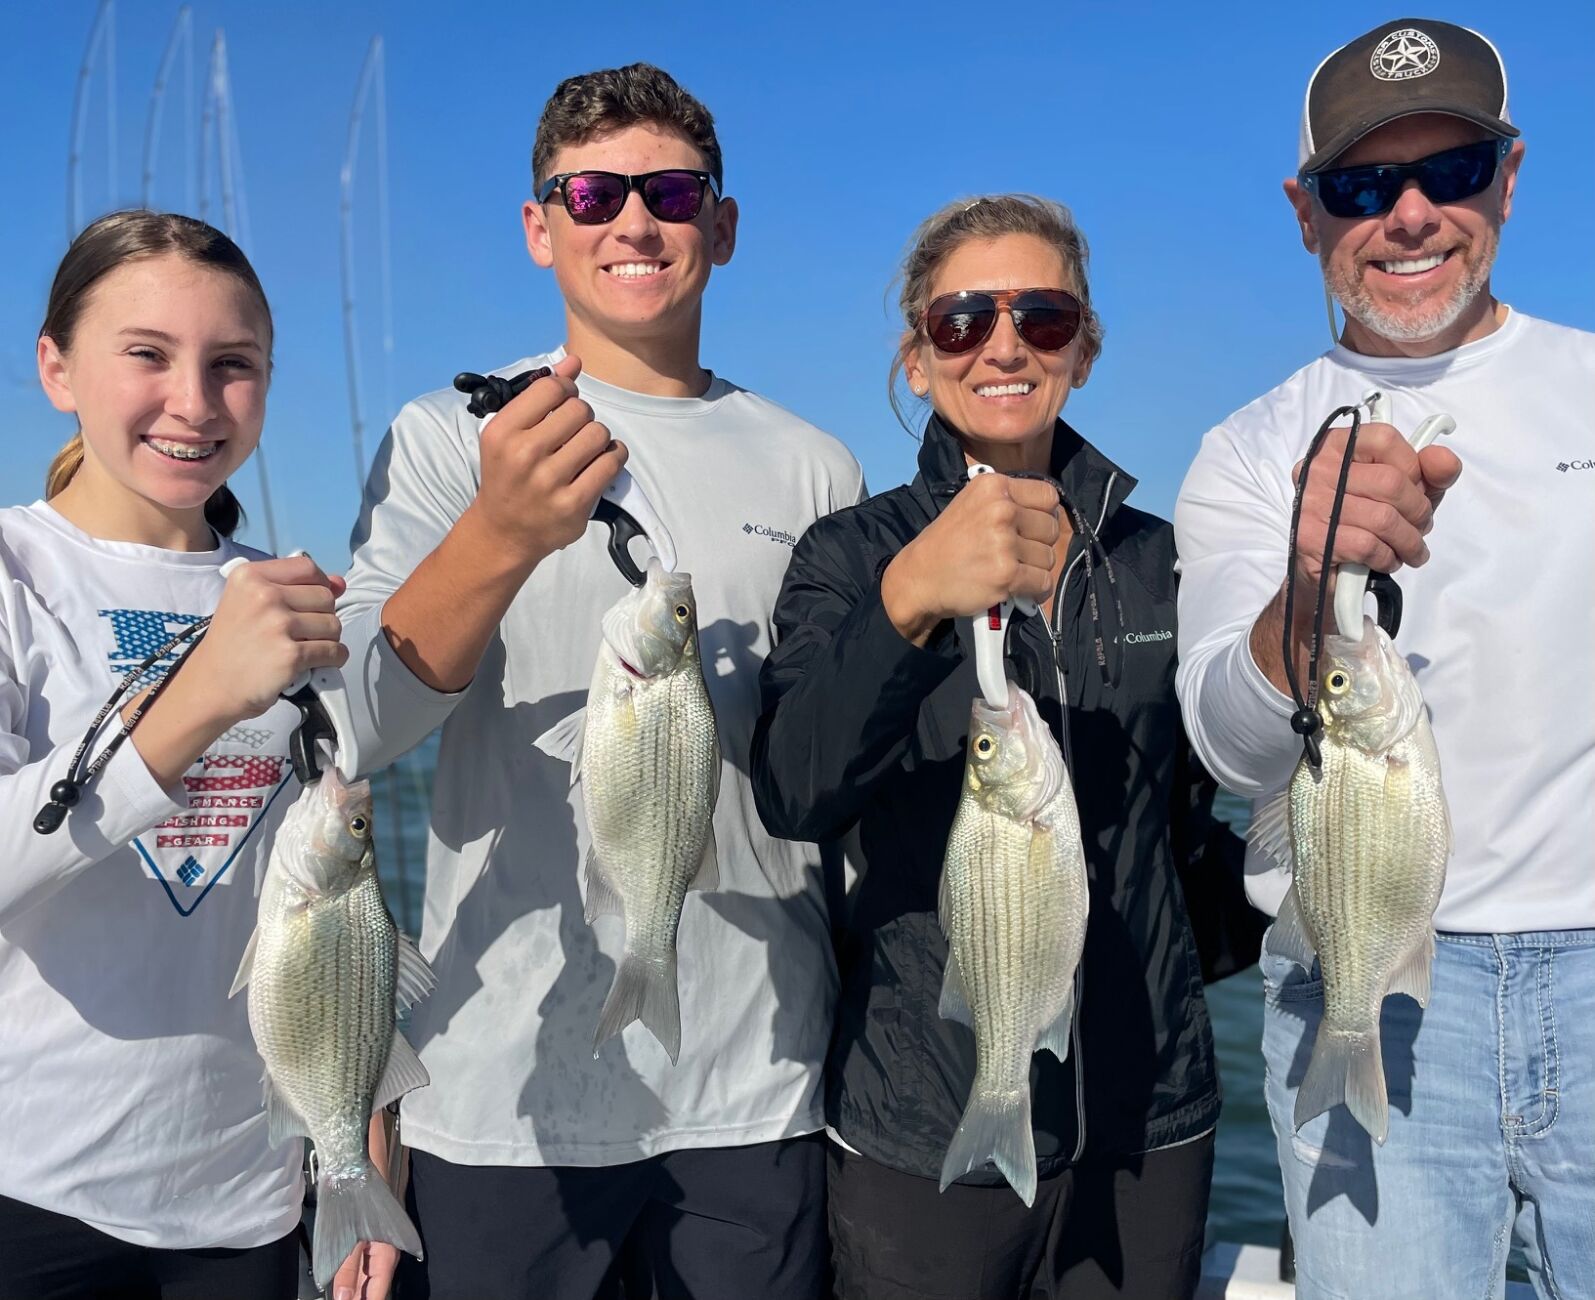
{"x": 863, "y": 736}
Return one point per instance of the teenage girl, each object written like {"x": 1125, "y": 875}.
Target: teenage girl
{"x": 133, "y": 1151}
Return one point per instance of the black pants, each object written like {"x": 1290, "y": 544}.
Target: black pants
{"x": 48, "y": 1256}
{"x": 727, "y": 1223}
{"x": 1127, "y": 1226}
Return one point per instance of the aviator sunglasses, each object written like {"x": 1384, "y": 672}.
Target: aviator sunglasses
{"x": 1046, "y": 319}
{"x": 593, "y": 198}
{"x": 1372, "y": 190}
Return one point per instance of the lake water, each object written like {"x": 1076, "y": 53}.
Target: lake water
{"x": 1247, "y": 1205}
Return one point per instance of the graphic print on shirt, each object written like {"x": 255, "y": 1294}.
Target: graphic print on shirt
{"x": 229, "y": 789}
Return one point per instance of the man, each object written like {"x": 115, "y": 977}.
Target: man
{"x": 1492, "y": 1115}
{"x": 474, "y": 601}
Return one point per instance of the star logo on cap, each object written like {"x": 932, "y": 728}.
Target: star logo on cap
{"x": 1404, "y": 54}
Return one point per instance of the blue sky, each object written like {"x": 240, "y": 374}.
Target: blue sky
{"x": 1166, "y": 127}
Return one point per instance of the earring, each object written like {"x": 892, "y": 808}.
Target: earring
{"x": 919, "y": 390}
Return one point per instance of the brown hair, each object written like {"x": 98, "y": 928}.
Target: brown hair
{"x": 113, "y": 241}
{"x": 989, "y": 216}
{"x": 594, "y": 104}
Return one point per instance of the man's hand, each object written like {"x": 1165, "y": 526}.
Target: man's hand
{"x": 368, "y": 1272}
{"x": 994, "y": 541}
{"x": 545, "y": 461}
{"x": 1391, "y": 495}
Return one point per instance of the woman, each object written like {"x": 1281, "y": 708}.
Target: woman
{"x": 133, "y": 1151}
{"x": 867, "y": 711}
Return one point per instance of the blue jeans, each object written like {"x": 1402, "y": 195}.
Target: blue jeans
{"x": 1492, "y": 1128}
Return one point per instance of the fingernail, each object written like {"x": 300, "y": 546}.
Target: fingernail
{"x": 343, "y": 1293}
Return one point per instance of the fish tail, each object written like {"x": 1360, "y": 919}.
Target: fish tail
{"x": 645, "y": 990}
{"x": 995, "y": 1129}
{"x": 352, "y": 1210}
{"x": 1346, "y": 1068}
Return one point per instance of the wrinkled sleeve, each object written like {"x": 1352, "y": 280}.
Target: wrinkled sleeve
{"x": 1232, "y": 528}
{"x": 841, "y": 691}
{"x": 421, "y": 482}
{"x": 124, "y": 801}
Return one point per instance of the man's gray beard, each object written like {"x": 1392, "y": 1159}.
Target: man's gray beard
{"x": 1409, "y": 326}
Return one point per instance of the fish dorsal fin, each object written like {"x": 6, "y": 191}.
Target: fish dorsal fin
{"x": 564, "y": 741}
{"x": 1412, "y": 976}
{"x": 1270, "y": 829}
{"x": 954, "y": 1004}
{"x": 1288, "y": 936}
{"x": 404, "y": 1073}
{"x": 602, "y": 897}
{"x": 246, "y": 967}
{"x": 282, "y": 1121}
{"x": 708, "y": 876}
{"x": 416, "y": 979}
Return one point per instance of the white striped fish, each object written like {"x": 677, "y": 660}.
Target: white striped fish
{"x": 328, "y": 972}
{"x": 648, "y": 758}
{"x": 1013, "y": 907}
{"x": 1367, "y": 838}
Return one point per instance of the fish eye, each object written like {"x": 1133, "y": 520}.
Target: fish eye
{"x": 985, "y": 746}
{"x": 683, "y": 613}
{"x": 1337, "y": 682}
{"x": 359, "y": 827}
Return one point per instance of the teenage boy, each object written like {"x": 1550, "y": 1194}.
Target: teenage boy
{"x": 474, "y": 602}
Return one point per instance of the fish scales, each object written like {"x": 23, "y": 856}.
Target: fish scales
{"x": 327, "y": 971}
{"x": 1013, "y": 905}
{"x": 1366, "y": 837}
{"x": 647, "y": 754}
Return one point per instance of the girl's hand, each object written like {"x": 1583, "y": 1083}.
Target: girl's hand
{"x": 275, "y": 621}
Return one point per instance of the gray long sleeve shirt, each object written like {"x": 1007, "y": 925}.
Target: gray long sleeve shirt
{"x": 507, "y": 1036}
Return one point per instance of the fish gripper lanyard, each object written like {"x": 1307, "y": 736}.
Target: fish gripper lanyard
{"x": 1305, "y": 721}
{"x": 68, "y": 792}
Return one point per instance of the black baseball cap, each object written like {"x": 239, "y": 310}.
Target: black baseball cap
{"x": 1410, "y": 65}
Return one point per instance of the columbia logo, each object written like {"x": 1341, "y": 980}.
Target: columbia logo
{"x": 774, "y": 534}
{"x": 190, "y": 871}
{"x": 748, "y": 528}
{"x": 1565, "y": 465}
{"x": 1136, "y": 638}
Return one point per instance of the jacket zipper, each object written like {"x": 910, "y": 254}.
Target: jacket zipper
{"x": 1055, "y": 635}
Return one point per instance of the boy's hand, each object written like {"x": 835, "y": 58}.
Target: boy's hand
{"x": 545, "y": 461}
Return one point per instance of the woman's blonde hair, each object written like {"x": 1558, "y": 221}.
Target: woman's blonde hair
{"x": 113, "y": 241}
{"x": 990, "y": 216}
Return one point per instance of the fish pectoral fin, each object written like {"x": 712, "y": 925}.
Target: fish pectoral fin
{"x": 282, "y": 1121}
{"x": 1288, "y": 936}
{"x": 564, "y": 741}
{"x": 954, "y": 1004}
{"x": 603, "y": 899}
{"x": 416, "y": 979}
{"x": 1055, "y": 1037}
{"x": 246, "y": 967}
{"x": 405, "y": 1073}
{"x": 708, "y": 876}
{"x": 1412, "y": 976}
{"x": 1270, "y": 829}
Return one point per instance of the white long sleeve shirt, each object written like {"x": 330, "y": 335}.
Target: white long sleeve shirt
{"x": 1499, "y": 625}
{"x": 130, "y": 1093}
{"x": 508, "y": 1035}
